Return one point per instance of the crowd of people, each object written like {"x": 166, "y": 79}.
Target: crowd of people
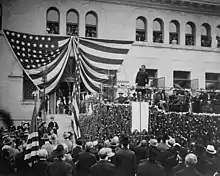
{"x": 174, "y": 144}
{"x": 158, "y": 154}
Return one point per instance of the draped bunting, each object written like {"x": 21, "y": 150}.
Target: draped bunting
{"x": 99, "y": 60}
{"x": 43, "y": 56}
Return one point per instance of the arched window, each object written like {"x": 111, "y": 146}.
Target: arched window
{"x": 158, "y": 26}
{"x": 174, "y": 32}
{"x": 206, "y": 39}
{"x": 190, "y": 34}
{"x": 53, "y": 21}
{"x": 218, "y": 36}
{"x": 72, "y": 22}
{"x": 141, "y": 25}
{"x": 91, "y": 24}
{"x": 1, "y": 17}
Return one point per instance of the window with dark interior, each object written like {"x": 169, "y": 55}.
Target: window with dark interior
{"x": 218, "y": 36}
{"x": 181, "y": 79}
{"x": 206, "y": 39}
{"x": 91, "y": 24}
{"x": 174, "y": 32}
{"x": 158, "y": 30}
{"x": 140, "y": 29}
{"x": 190, "y": 34}
{"x": 72, "y": 22}
{"x": 1, "y": 17}
{"x": 53, "y": 21}
{"x": 212, "y": 81}
{"x": 28, "y": 88}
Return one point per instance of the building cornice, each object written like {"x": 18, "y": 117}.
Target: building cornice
{"x": 189, "y": 6}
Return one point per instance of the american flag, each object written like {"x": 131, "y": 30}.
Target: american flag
{"x": 41, "y": 56}
{"x": 76, "y": 100}
{"x": 32, "y": 148}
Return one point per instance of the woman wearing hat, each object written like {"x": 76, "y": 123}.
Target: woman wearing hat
{"x": 67, "y": 141}
{"x": 47, "y": 146}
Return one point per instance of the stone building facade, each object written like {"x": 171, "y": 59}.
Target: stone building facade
{"x": 177, "y": 40}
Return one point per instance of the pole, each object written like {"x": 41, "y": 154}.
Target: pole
{"x": 45, "y": 98}
{"x": 140, "y": 117}
{"x": 44, "y": 79}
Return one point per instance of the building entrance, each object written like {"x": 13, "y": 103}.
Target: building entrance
{"x": 63, "y": 97}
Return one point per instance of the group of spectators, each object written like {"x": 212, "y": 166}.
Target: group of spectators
{"x": 178, "y": 100}
{"x": 118, "y": 156}
{"x": 175, "y": 144}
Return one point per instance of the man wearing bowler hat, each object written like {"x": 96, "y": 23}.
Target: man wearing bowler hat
{"x": 60, "y": 167}
{"x": 53, "y": 125}
{"x": 125, "y": 159}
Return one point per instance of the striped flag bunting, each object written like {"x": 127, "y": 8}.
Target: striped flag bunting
{"x": 40, "y": 56}
{"x": 32, "y": 148}
{"x": 100, "y": 59}
{"x": 46, "y": 56}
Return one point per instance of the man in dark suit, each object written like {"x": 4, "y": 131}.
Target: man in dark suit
{"x": 141, "y": 151}
{"x": 190, "y": 170}
{"x": 150, "y": 167}
{"x": 77, "y": 150}
{"x": 53, "y": 125}
{"x": 86, "y": 160}
{"x": 121, "y": 99}
{"x": 60, "y": 167}
{"x": 161, "y": 100}
{"x": 40, "y": 167}
{"x": 142, "y": 79}
{"x": 125, "y": 159}
{"x": 103, "y": 167}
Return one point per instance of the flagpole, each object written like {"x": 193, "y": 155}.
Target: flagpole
{"x": 78, "y": 66}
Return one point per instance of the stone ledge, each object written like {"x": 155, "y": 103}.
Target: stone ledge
{"x": 15, "y": 76}
{"x": 27, "y": 102}
{"x": 185, "y": 7}
{"x": 181, "y": 47}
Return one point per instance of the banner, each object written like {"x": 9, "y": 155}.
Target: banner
{"x": 140, "y": 116}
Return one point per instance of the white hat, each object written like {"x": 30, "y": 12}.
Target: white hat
{"x": 170, "y": 142}
{"x": 153, "y": 142}
{"x": 89, "y": 145}
{"x": 95, "y": 143}
{"x": 106, "y": 152}
{"x": 211, "y": 149}
{"x": 191, "y": 159}
{"x": 115, "y": 139}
